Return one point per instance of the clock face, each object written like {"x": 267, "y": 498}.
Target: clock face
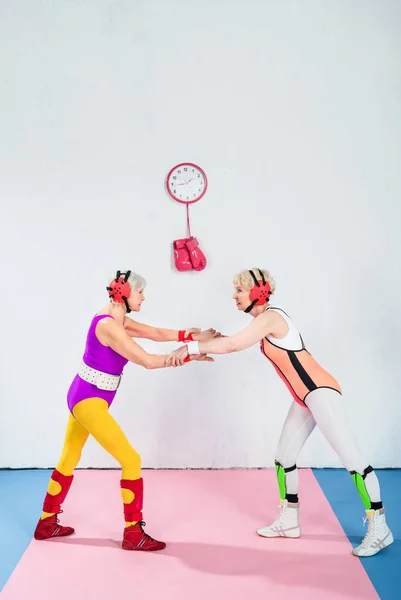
{"x": 186, "y": 183}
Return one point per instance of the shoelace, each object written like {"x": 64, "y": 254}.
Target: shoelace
{"x": 280, "y": 518}
{"x": 371, "y": 532}
{"x": 147, "y": 536}
{"x": 57, "y": 514}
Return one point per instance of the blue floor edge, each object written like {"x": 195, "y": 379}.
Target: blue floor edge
{"x": 383, "y": 569}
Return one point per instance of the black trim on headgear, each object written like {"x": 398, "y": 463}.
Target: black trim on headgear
{"x": 250, "y": 307}
{"x": 125, "y": 299}
{"x": 261, "y": 276}
{"x": 119, "y": 274}
{"x": 127, "y": 274}
{"x": 254, "y": 278}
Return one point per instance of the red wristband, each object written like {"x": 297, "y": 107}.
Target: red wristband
{"x": 187, "y": 359}
{"x": 184, "y": 338}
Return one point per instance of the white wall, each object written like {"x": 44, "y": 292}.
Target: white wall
{"x": 293, "y": 110}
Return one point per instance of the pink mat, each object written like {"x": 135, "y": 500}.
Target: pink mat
{"x": 208, "y": 519}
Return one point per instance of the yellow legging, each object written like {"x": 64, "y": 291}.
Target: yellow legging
{"x": 91, "y": 416}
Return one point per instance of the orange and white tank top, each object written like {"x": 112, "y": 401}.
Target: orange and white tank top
{"x": 296, "y": 367}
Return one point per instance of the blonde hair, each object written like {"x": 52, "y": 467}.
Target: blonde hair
{"x": 136, "y": 283}
{"x": 244, "y": 279}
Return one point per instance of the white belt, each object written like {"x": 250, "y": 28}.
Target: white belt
{"x": 103, "y": 381}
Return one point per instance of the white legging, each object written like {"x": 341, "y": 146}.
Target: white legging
{"x": 325, "y": 409}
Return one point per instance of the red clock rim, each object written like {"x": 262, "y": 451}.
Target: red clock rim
{"x": 187, "y": 164}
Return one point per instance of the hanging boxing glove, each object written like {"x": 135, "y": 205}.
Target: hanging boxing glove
{"x": 197, "y": 257}
{"x": 181, "y": 256}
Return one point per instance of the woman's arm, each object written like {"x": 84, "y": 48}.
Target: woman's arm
{"x": 112, "y": 335}
{"x": 256, "y": 331}
{"x": 160, "y": 334}
{"x": 260, "y": 327}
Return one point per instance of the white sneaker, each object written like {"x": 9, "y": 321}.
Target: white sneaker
{"x": 377, "y": 537}
{"x": 287, "y": 524}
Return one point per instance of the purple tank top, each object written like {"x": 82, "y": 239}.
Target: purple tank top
{"x": 98, "y": 357}
{"x": 102, "y": 357}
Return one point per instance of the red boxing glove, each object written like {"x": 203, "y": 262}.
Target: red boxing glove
{"x": 197, "y": 257}
{"x": 181, "y": 256}
{"x": 184, "y": 338}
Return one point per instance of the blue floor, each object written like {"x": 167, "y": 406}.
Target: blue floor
{"x": 21, "y": 497}
{"x": 384, "y": 569}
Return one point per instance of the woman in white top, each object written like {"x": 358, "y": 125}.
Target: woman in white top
{"x": 317, "y": 400}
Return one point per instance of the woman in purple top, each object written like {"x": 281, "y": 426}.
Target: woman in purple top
{"x": 109, "y": 346}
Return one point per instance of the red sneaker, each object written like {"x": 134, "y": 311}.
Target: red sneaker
{"x": 136, "y": 539}
{"x": 50, "y": 528}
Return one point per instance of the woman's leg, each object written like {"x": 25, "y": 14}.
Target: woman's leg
{"x": 327, "y": 407}
{"x": 297, "y": 428}
{"x": 60, "y": 482}
{"x": 94, "y": 416}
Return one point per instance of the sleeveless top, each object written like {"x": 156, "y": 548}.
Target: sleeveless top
{"x": 294, "y": 364}
{"x": 98, "y": 357}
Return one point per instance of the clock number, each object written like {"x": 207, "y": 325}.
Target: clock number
{"x": 179, "y": 171}
{"x": 185, "y": 168}
{"x": 175, "y": 191}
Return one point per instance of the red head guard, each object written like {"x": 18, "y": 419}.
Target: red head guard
{"x": 260, "y": 293}
{"x": 119, "y": 289}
